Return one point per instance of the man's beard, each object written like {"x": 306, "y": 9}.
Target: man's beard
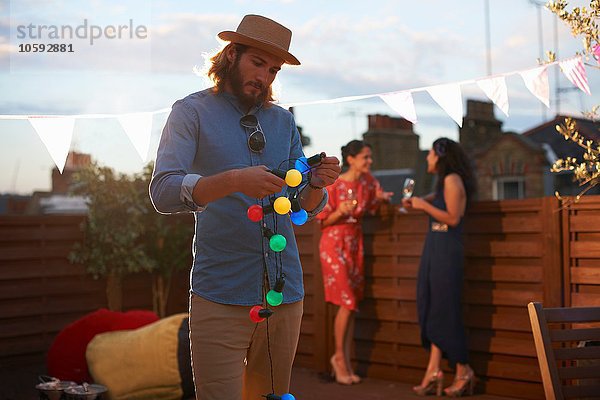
{"x": 235, "y": 79}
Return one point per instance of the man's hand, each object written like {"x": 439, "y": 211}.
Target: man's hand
{"x": 257, "y": 182}
{"x": 325, "y": 173}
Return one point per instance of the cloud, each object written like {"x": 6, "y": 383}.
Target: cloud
{"x": 178, "y": 39}
{"x": 345, "y": 57}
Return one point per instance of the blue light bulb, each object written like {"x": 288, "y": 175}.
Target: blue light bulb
{"x": 299, "y": 217}
{"x": 302, "y": 165}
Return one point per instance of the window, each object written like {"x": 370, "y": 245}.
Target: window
{"x": 510, "y": 187}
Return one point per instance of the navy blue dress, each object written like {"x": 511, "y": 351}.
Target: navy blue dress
{"x": 439, "y": 287}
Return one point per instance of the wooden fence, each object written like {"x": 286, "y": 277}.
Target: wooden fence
{"x": 515, "y": 253}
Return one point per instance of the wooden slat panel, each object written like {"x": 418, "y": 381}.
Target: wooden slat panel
{"x": 585, "y": 275}
{"x": 571, "y": 335}
{"x": 579, "y": 372}
{"x": 516, "y": 369}
{"x": 577, "y": 353}
{"x": 501, "y": 297}
{"x": 50, "y": 233}
{"x": 12, "y": 271}
{"x": 34, "y": 253}
{"x": 585, "y": 299}
{"x": 576, "y": 314}
{"x": 497, "y": 318}
{"x": 578, "y": 392}
{"x": 503, "y": 273}
{"x": 486, "y": 342}
{"x": 583, "y": 223}
{"x": 495, "y": 248}
{"x": 582, "y": 249}
{"x": 405, "y": 290}
{"x": 519, "y": 223}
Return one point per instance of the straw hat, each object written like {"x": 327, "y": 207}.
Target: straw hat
{"x": 265, "y": 34}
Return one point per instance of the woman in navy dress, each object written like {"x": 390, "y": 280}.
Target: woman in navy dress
{"x": 440, "y": 278}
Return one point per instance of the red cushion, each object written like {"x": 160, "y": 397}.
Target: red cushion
{"x": 66, "y": 357}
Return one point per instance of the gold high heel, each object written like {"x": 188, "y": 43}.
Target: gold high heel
{"x": 467, "y": 388}
{"x": 434, "y": 385}
{"x": 341, "y": 379}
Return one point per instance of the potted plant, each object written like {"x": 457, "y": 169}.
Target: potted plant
{"x": 113, "y": 231}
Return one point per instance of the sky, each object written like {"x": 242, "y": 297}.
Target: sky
{"x": 346, "y": 48}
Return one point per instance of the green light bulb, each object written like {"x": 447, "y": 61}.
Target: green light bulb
{"x": 274, "y": 298}
{"x": 277, "y": 242}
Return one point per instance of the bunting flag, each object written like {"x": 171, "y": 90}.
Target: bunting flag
{"x": 56, "y": 134}
{"x": 449, "y": 98}
{"x": 574, "y": 70}
{"x": 138, "y": 128}
{"x": 536, "y": 80}
{"x": 402, "y": 103}
{"x": 495, "y": 90}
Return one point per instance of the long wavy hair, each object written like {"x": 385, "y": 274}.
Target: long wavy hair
{"x": 221, "y": 67}
{"x": 453, "y": 159}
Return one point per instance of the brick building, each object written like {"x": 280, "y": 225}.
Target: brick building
{"x": 508, "y": 165}
{"x": 396, "y": 154}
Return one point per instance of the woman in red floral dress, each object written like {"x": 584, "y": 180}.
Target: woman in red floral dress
{"x": 355, "y": 193}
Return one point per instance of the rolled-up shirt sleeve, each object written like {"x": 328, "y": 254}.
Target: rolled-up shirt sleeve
{"x": 173, "y": 179}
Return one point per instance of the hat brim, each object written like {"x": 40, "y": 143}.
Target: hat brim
{"x": 270, "y": 48}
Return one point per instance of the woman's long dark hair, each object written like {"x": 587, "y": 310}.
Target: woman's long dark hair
{"x": 453, "y": 159}
{"x": 352, "y": 149}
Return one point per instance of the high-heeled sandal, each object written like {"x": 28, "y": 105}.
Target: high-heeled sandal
{"x": 341, "y": 379}
{"x": 467, "y": 388}
{"x": 434, "y": 385}
{"x": 355, "y": 378}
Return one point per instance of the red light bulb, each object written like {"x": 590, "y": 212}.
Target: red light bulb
{"x": 254, "y": 316}
{"x": 255, "y": 213}
{"x": 259, "y": 314}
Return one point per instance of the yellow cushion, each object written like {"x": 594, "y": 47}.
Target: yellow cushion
{"x": 140, "y": 363}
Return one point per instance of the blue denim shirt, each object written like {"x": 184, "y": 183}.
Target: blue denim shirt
{"x": 203, "y": 137}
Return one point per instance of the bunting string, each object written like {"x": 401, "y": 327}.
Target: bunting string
{"x": 56, "y": 131}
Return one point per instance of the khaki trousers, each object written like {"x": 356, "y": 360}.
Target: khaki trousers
{"x": 230, "y": 357}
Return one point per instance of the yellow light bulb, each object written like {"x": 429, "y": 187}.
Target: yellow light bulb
{"x": 282, "y": 205}
{"x": 293, "y": 178}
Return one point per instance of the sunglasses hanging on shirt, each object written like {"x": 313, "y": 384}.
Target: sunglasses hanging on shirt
{"x": 256, "y": 140}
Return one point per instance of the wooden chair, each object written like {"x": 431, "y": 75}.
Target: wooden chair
{"x": 560, "y": 343}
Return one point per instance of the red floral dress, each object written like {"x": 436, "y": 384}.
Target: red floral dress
{"x": 341, "y": 245}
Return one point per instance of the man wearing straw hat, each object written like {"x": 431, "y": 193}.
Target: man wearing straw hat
{"x": 213, "y": 159}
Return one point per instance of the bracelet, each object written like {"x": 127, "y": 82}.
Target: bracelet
{"x": 310, "y": 185}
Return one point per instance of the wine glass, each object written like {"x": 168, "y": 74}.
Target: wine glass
{"x": 351, "y": 196}
{"x": 407, "y": 192}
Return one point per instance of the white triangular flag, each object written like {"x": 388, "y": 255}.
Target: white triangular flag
{"x": 495, "y": 90}
{"x": 402, "y": 103}
{"x": 56, "y": 133}
{"x": 450, "y": 99}
{"x": 138, "y": 128}
{"x": 574, "y": 70}
{"x": 536, "y": 80}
